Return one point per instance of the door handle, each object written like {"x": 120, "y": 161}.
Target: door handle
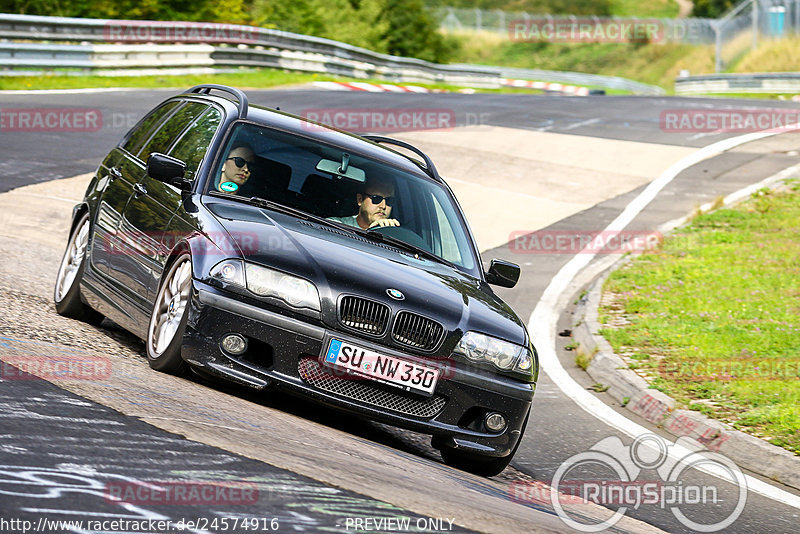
{"x": 139, "y": 190}
{"x": 114, "y": 173}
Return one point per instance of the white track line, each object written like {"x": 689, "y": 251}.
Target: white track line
{"x": 542, "y": 323}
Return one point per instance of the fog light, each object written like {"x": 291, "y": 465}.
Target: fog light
{"x": 495, "y": 422}
{"x": 234, "y": 344}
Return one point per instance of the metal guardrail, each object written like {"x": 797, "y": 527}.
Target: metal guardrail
{"x": 45, "y": 55}
{"x": 777, "y": 83}
{"x": 235, "y": 46}
{"x": 578, "y": 78}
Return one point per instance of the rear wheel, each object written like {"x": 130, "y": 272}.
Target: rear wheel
{"x": 168, "y": 320}
{"x": 485, "y": 466}
{"x": 67, "y": 294}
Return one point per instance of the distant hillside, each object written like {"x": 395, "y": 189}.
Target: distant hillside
{"x": 621, "y": 8}
{"x": 573, "y": 7}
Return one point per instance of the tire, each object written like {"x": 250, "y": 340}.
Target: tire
{"x": 485, "y": 466}
{"x": 168, "y": 320}
{"x": 67, "y": 292}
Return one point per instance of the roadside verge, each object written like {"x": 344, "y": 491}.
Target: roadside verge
{"x": 635, "y": 394}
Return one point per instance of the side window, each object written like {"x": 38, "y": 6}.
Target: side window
{"x": 165, "y": 136}
{"x": 193, "y": 144}
{"x": 139, "y": 135}
{"x": 449, "y": 245}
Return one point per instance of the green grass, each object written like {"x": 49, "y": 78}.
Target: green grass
{"x": 660, "y": 9}
{"x": 657, "y": 64}
{"x": 246, "y": 79}
{"x": 715, "y": 314}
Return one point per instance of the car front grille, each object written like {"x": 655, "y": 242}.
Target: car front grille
{"x": 363, "y": 390}
{"x": 416, "y": 331}
{"x": 363, "y": 315}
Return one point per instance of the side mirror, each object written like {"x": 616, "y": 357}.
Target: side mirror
{"x": 503, "y": 273}
{"x": 169, "y": 170}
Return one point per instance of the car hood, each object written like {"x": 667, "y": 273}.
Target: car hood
{"x": 340, "y": 262}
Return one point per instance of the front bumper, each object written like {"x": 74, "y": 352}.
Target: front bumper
{"x": 284, "y": 352}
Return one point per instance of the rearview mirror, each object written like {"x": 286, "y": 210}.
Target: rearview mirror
{"x": 166, "y": 169}
{"x": 342, "y": 168}
{"x": 503, "y": 273}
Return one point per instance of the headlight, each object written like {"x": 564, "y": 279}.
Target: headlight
{"x": 264, "y": 282}
{"x": 229, "y": 272}
{"x": 504, "y": 355}
{"x": 294, "y": 291}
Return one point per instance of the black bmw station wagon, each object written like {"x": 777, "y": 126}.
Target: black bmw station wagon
{"x": 248, "y": 244}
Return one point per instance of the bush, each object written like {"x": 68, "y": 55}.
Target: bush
{"x": 712, "y": 8}
{"x": 410, "y": 31}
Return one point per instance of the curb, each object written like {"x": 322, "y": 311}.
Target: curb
{"x": 375, "y": 87}
{"x": 547, "y": 86}
{"x": 635, "y": 394}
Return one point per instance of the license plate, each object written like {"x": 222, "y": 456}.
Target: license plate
{"x": 401, "y": 373}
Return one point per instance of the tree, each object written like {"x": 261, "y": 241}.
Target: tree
{"x": 411, "y": 32}
{"x": 712, "y": 8}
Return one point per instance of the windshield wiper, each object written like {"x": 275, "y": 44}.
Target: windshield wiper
{"x": 403, "y": 245}
{"x": 274, "y": 206}
{"x": 369, "y": 234}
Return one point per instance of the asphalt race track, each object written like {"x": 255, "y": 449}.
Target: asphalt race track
{"x": 580, "y": 161}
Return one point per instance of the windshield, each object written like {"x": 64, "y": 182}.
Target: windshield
{"x": 345, "y": 188}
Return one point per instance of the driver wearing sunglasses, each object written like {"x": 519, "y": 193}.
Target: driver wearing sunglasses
{"x": 375, "y": 204}
{"x": 236, "y": 169}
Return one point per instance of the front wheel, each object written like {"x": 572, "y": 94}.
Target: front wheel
{"x": 67, "y": 294}
{"x": 168, "y": 320}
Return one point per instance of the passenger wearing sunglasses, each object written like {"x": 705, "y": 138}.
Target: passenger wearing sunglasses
{"x": 236, "y": 169}
{"x": 374, "y": 206}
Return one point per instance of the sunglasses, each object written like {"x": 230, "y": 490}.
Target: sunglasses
{"x": 377, "y": 199}
{"x": 240, "y": 162}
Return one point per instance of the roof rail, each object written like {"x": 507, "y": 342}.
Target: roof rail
{"x": 430, "y": 169}
{"x": 240, "y": 96}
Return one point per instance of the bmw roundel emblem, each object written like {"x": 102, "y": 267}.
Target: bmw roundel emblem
{"x": 395, "y": 294}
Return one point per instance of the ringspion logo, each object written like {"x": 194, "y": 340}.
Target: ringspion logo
{"x": 649, "y": 473}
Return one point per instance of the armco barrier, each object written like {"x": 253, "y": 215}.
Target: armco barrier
{"x": 16, "y": 55}
{"x": 238, "y": 46}
{"x": 579, "y": 78}
{"x": 778, "y": 82}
